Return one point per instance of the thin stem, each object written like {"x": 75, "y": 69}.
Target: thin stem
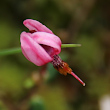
{"x": 18, "y": 50}
{"x": 70, "y": 45}
{"x": 10, "y": 51}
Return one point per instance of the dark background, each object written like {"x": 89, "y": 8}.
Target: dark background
{"x": 24, "y": 86}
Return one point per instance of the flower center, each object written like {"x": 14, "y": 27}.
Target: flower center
{"x": 49, "y": 50}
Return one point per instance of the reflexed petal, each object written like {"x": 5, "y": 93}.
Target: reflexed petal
{"x": 49, "y": 40}
{"x": 36, "y": 25}
{"x": 33, "y": 51}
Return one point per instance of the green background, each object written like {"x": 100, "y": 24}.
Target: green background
{"x": 24, "y": 86}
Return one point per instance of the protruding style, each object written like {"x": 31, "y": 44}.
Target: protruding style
{"x": 64, "y": 68}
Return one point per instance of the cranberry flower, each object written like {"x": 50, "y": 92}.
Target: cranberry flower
{"x": 40, "y": 46}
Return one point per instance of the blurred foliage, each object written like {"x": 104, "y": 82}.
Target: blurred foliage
{"x": 54, "y": 98}
{"x": 89, "y": 56}
{"x": 11, "y": 78}
{"x": 24, "y": 86}
{"x": 36, "y": 103}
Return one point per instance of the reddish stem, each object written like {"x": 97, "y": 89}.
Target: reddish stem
{"x": 73, "y": 74}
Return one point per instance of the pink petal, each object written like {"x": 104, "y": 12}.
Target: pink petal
{"x": 49, "y": 40}
{"x": 34, "y": 25}
{"x": 33, "y": 51}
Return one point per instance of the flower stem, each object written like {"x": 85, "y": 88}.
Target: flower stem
{"x": 70, "y": 45}
{"x": 18, "y": 50}
{"x": 10, "y": 51}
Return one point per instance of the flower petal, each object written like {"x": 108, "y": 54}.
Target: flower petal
{"x": 33, "y": 51}
{"x": 34, "y": 25}
{"x": 48, "y": 40}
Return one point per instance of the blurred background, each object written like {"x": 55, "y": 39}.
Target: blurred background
{"x": 24, "y": 86}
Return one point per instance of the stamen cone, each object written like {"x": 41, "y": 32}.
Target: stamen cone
{"x": 64, "y": 68}
{"x": 73, "y": 74}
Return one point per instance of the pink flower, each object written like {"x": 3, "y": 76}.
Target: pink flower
{"x": 40, "y": 44}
